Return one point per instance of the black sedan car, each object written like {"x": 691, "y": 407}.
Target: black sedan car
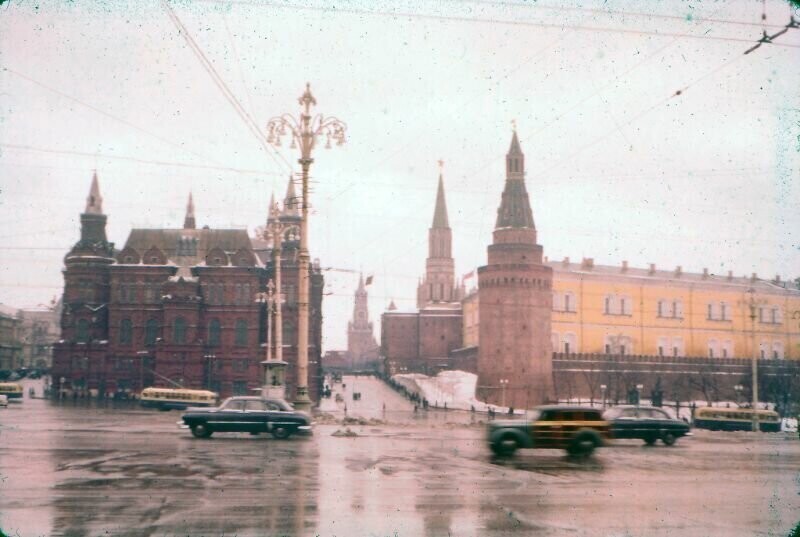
{"x": 247, "y": 415}
{"x": 646, "y": 423}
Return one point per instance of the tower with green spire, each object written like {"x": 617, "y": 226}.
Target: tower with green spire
{"x": 515, "y": 302}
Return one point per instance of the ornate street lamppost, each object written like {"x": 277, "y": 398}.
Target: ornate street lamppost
{"x": 275, "y": 228}
{"x": 304, "y": 131}
{"x": 503, "y": 385}
{"x": 752, "y": 303}
{"x": 639, "y": 388}
{"x": 603, "y": 388}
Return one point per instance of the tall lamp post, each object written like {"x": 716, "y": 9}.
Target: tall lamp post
{"x": 603, "y": 388}
{"x": 751, "y": 302}
{"x": 275, "y": 228}
{"x": 304, "y": 131}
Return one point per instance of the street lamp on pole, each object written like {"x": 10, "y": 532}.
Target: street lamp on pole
{"x": 275, "y": 228}
{"x": 738, "y": 389}
{"x": 304, "y": 131}
{"x": 142, "y": 356}
{"x": 210, "y": 363}
{"x": 751, "y": 302}
{"x": 268, "y": 300}
{"x": 503, "y": 385}
{"x": 603, "y": 393}
{"x": 639, "y": 388}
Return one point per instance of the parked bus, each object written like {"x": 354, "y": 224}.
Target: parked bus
{"x": 736, "y": 419}
{"x": 179, "y": 398}
{"x": 12, "y": 390}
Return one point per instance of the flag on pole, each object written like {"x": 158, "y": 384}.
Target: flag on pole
{"x": 368, "y": 281}
{"x": 468, "y": 275}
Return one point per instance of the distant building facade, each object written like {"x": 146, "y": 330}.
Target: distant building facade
{"x": 10, "y": 346}
{"x": 362, "y": 349}
{"x": 39, "y": 330}
{"x": 622, "y": 310}
{"x": 177, "y": 307}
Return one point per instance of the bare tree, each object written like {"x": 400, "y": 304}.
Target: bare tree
{"x": 705, "y": 381}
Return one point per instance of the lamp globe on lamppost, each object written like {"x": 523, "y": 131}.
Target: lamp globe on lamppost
{"x": 639, "y": 388}
{"x": 738, "y": 389}
{"x": 603, "y": 388}
{"x": 304, "y": 131}
{"x": 503, "y": 385}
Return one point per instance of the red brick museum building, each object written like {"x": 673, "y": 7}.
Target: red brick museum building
{"x": 178, "y": 307}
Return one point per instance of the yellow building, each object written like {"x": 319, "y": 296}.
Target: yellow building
{"x": 626, "y": 310}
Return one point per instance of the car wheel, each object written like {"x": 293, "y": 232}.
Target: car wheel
{"x": 583, "y": 444}
{"x": 668, "y": 439}
{"x": 505, "y": 446}
{"x": 201, "y": 430}
{"x": 650, "y": 440}
{"x": 281, "y": 433}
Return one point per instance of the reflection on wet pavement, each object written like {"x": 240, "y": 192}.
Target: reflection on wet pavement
{"x": 76, "y": 469}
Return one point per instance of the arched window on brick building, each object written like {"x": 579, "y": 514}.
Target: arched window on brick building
{"x": 179, "y": 331}
{"x": 82, "y": 331}
{"x": 241, "y": 333}
{"x": 150, "y": 332}
{"x": 125, "y": 332}
{"x": 214, "y": 331}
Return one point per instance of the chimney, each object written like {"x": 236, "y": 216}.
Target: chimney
{"x": 588, "y": 263}
{"x": 705, "y": 273}
{"x": 565, "y": 262}
{"x": 678, "y": 271}
{"x": 624, "y": 266}
{"x": 652, "y": 268}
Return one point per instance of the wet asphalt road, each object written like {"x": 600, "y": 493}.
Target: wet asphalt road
{"x": 77, "y": 469}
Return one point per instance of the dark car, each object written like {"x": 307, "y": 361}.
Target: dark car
{"x": 247, "y": 415}
{"x": 645, "y": 423}
{"x": 577, "y": 429}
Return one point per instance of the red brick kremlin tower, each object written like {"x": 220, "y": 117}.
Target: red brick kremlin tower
{"x": 515, "y": 302}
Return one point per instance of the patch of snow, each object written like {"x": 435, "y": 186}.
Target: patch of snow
{"x": 455, "y": 388}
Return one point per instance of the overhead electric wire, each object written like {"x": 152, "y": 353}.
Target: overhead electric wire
{"x": 456, "y": 18}
{"x": 539, "y": 6}
{"x": 106, "y": 114}
{"x": 135, "y": 159}
{"x": 226, "y": 92}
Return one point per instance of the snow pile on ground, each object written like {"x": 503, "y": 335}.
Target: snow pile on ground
{"x": 455, "y": 388}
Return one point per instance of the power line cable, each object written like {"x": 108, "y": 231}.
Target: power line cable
{"x": 539, "y": 6}
{"x": 226, "y": 92}
{"x": 494, "y": 21}
{"x": 125, "y": 122}
{"x": 137, "y": 160}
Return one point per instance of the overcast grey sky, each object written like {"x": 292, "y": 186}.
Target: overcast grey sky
{"x": 618, "y": 165}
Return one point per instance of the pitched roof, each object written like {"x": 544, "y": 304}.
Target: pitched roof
{"x": 173, "y": 242}
{"x": 94, "y": 202}
{"x": 440, "y": 214}
{"x": 515, "y": 207}
{"x": 515, "y": 148}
